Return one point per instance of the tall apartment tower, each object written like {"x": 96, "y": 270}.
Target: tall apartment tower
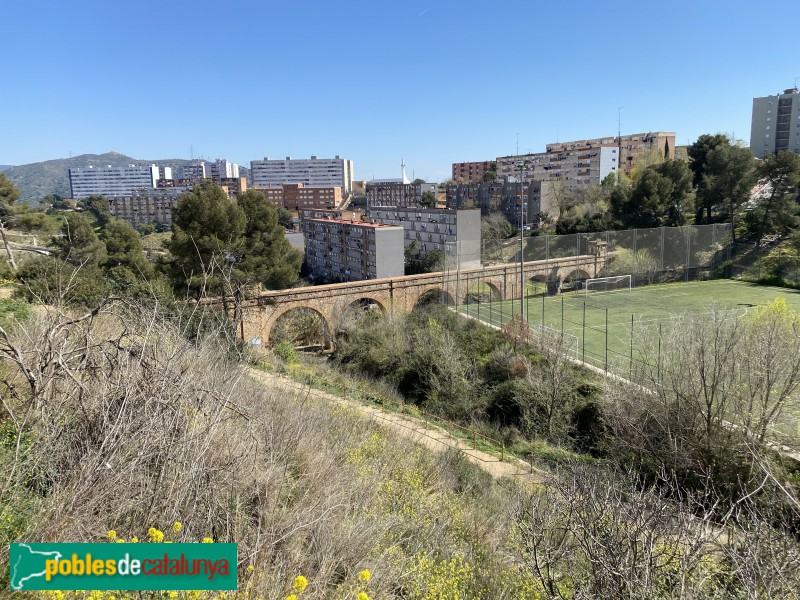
{"x": 111, "y": 181}
{"x": 313, "y": 172}
{"x": 776, "y": 123}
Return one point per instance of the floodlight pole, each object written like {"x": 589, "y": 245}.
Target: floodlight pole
{"x": 521, "y": 246}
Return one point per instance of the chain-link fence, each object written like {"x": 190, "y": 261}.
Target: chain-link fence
{"x": 659, "y": 255}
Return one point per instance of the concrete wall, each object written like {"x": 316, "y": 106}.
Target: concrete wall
{"x": 389, "y": 255}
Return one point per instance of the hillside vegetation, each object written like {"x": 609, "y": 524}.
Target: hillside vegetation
{"x": 127, "y": 422}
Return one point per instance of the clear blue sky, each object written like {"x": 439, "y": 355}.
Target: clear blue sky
{"x": 430, "y": 81}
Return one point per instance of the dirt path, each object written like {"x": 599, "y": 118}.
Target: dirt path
{"x": 429, "y": 435}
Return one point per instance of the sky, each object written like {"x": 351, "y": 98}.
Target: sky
{"x": 430, "y": 82}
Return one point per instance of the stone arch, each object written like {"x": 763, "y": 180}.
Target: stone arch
{"x": 354, "y": 302}
{"x": 267, "y": 331}
{"x": 537, "y": 284}
{"x": 443, "y": 295}
{"x": 573, "y": 276}
{"x": 474, "y": 293}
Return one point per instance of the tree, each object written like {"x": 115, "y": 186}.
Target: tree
{"x": 98, "y": 207}
{"x": 8, "y": 195}
{"x": 226, "y": 247}
{"x": 206, "y": 227}
{"x": 723, "y": 174}
{"x": 267, "y": 256}
{"x": 656, "y": 198}
{"x": 428, "y": 200}
{"x": 79, "y": 244}
{"x": 417, "y": 181}
{"x": 779, "y": 210}
{"x": 125, "y": 250}
{"x": 284, "y": 217}
{"x": 417, "y": 262}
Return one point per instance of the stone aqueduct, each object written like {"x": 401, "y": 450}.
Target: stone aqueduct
{"x": 402, "y": 293}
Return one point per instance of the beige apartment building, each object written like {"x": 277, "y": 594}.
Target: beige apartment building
{"x": 586, "y": 162}
{"x": 472, "y": 172}
{"x": 296, "y": 196}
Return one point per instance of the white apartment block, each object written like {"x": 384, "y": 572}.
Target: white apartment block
{"x": 437, "y": 229}
{"x": 313, "y": 172}
{"x": 111, "y": 181}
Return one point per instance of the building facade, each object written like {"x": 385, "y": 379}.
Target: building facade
{"x": 473, "y": 172}
{"x": 297, "y": 196}
{"x": 338, "y": 250}
{"x": 145, "y": 207}
{"x": 394, "y": 193}
{"x": 111, "y": 181}
{"x": 574, "y": 165}
{"x": 313, "y": 172}
{"x": 437, "y": 229}
{"x": 587, "y": 162}
{"x": 775, "y": 125}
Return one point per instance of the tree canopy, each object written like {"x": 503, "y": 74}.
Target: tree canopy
{"x": 226, "y": 247}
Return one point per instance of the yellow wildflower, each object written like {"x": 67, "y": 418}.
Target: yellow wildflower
{"x": 300, "y": 583}
{"x": 173, "y": 594}
{"x": 134, "y": 540}
{"x": 154, "y": 535}
{"x": 176, "y": 527}
{"x": 208, "y": 540}
{"x": 291, "y": 597}
{"x": 364, "y": 576}
{"x": 362, "y": 596}
{"x": 250, "y": 568}
{"x": 112, "y": 535}
{"x": 120, "y": 540}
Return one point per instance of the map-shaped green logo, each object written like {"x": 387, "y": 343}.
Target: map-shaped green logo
{"x": 28, "y": 564}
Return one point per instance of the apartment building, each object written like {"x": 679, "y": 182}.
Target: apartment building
{"x": 221, "y": 168}
{"x": 487, "y": 196}
{"x": 338, "y": 250}
{"x": 337, "y": 214}
{"x": 775, "y": 124}
{"x": 394, "y": 193}
{"x": 145, "y": 207}
{"x": 472, "y": 172}
{"x": 313, "y": 172}
{"x": 537, "y": 198}
{"x": 574, "y": 165}
{"x": 436, "y": 229}
{"x": 297, "y": 196}
{"x": 111, "y": 181}
{"x": 232, "y": 186}
{"x": 586, "y": 162}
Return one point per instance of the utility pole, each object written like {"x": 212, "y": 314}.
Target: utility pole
{"x": 619, "y": 142}
{"x": 521, "y": 246}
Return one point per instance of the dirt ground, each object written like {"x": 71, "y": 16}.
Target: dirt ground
{"x": 426, "y": 434}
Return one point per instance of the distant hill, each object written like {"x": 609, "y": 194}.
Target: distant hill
{"x": 5, "y": 167}
{"x": 36, "y": 180}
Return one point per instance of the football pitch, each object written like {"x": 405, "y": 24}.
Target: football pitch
{"x": 598, "y": 327}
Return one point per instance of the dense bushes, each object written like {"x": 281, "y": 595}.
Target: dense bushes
{"x": 462, "y": 370}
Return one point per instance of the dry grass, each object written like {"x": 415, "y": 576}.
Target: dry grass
{"x": 119, "y": 420}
